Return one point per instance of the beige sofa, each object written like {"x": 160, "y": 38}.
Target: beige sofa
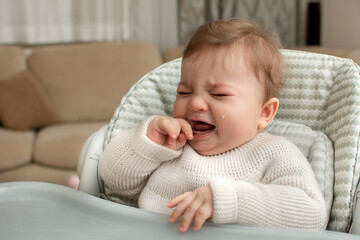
{"x": 52, "y": 98}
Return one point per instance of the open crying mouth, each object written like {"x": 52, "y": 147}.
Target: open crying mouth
{"x": 203, "y": 127}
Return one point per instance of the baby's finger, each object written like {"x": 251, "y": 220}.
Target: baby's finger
{"x": 181, "y": 141}
{"x": 181, "y": 208}
{"x": 189, "y": 215}
{"x": 175, "y": 201}
{"x": 186, "y": 128}
{"x": 170, "y": 127}
{"x": 171, "y": 143}
{"x": 202, "y": 214}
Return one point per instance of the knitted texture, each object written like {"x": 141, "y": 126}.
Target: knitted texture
{"x": 317, "y": 149}
{"x": 266, "y": 181}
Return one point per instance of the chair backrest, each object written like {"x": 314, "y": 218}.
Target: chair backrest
{"x": 319, "y": 111}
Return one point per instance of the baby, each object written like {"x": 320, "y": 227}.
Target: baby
{"x": 212, "y": 159}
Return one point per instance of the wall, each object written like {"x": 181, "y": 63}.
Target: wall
{"x": 340, "y": 24}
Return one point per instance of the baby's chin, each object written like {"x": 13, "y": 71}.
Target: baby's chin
{"x": 208, "y": 148}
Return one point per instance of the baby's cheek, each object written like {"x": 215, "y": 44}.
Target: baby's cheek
{"x": 179, "y": 110}
{"x": 222, "y": 122}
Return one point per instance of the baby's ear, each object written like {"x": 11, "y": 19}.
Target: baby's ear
{"x": 268, "y": 112}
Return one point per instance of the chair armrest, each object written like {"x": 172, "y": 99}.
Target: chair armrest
{"x": 91, "y": 151}
{"x": 355, "y": 227}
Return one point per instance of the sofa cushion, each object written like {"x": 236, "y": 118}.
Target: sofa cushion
{"x": 60, "y": 145}
{"x": 12, "y": 61}
{"x": 87, "y": 81}
{"x": 38, "y": 173}
{"x": 23, "y": 104}
{"x": 16, "y": 147}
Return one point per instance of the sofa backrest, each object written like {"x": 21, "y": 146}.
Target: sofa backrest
{"x": 12, "y": 61}
{"x": 88, "y": 81}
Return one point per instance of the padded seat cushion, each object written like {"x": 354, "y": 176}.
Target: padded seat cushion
{"x": 16, "y": 147}
{"x": 59, "y": 145}
{"x": 316, "y": 147}
{"x": 321, "y": 94}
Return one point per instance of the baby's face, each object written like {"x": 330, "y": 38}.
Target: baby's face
{"x": 222, "y": 100}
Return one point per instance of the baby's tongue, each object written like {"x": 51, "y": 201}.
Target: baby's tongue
{"x": 201, "y": 126}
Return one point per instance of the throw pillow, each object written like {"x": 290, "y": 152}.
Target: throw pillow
{"x": 23, "y": 104}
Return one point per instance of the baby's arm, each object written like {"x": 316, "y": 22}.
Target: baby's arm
{"x": 131, "y": 156}
{"x": 288, "y": 196}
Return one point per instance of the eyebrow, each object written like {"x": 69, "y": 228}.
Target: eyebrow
{"x": 221, "y": 85}
{"x": 214, "y": 86}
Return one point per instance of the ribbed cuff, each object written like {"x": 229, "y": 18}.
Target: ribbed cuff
{"x": 148, "y": 149}
{"x": 225, "y": 200}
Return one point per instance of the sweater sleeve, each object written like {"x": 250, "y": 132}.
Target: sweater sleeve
{"x": 287, "y": 196}
{"x": 130, "y": 158}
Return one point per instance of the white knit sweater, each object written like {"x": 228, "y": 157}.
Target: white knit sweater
{"x": 266, "y": 181}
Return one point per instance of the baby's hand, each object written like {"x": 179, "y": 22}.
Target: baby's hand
{"x": 194, "y": 206}
{"x": 170, "y": 132}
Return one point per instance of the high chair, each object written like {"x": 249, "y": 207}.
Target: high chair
{"x": 319, "y": 111}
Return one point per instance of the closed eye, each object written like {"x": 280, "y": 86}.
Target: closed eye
{"x": 183, "y": 92}
{"x": 220, "y": 95}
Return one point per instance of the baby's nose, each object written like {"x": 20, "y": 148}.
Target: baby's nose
{"x": 198, "y": 103}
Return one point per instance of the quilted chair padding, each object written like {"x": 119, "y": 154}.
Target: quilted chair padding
{"x": 319, "y": 111}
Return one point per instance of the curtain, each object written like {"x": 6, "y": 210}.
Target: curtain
{"x": 62, "y": 21}
{"x": 53, "y": 21}
{"x": 154, "y": 21}
{"x": 279, "y": 16}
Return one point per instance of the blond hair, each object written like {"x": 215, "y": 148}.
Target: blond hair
{"x": 261, "y": 48}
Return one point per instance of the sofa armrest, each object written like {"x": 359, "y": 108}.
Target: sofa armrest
{"x": 91, "y": 151}
{"x": 355, "y": 227}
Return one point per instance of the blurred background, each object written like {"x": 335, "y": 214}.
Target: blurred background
{"x": 169, "y": 23}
